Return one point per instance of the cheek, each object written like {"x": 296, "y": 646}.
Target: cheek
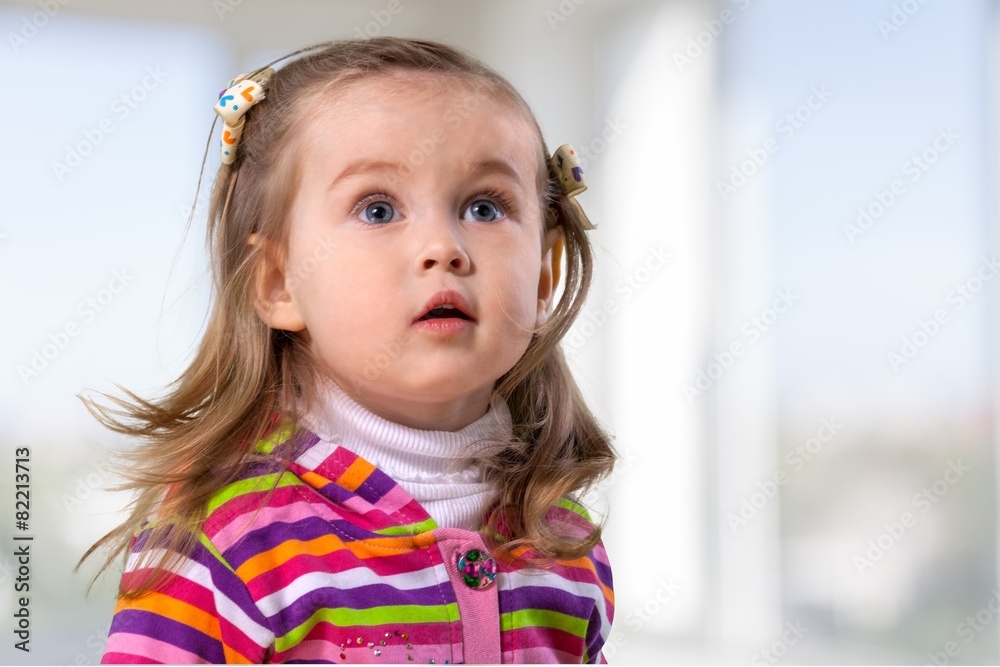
{"x": 520, "y": 293}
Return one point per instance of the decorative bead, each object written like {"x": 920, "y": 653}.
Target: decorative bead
{"x": 377, "y": 653}
{"x": 410, "y": 658}
{"x": 396, "y": 632}
{"x": 405, "y": 635}
{"x": 371, "y": 644}
{"x": 388, "y": 634}
{"x": 382, "y": 643}
{"x": 343, "y": 656}
{"x": 478, "y": 568}
{"x": 360, "y": 641}
{"x": 409, "y": 646}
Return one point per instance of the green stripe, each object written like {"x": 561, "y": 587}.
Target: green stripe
{"x": 573, "y": 506}
{"x": 264, "y": 482}
{"x": 285, "y": 431}
{"x": 207, "y": 543}
{"x": 347, "y": 617}
{"x": 543, "y": 618}
{"x": 411, "y": 529}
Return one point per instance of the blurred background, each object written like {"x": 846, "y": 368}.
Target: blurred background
{"x": 792, "y": 333}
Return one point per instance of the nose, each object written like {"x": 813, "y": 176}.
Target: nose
{"x": 443, "y": 248}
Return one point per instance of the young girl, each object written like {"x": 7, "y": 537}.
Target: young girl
{"x": 375, "y": 453}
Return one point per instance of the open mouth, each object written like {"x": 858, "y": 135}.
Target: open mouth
{"x": 444, "y": 312}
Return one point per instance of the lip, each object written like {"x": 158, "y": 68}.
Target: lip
{"x": 443, "y": 297}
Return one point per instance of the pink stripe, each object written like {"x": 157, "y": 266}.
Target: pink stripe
{"x": 245, "y": 505}
{"x": 539, "y": 655}
{"x": 322, "y": 650}
{"x": 547, "y": 638}
{"x": 133, "y": 646}
{"x": 410, "y": 561}
{"x": 394, "y": 501}
{"x": 237, "y": 527}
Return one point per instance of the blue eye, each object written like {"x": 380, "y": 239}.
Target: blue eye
{"x": 378, "y": 213}
{"x": 483, "y": 210}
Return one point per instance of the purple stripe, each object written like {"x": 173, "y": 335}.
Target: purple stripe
{"x": 544, "y": 597}
{"x": 334, "y": 491}
{"x": 360, "y": 598}
{"x": 603, "y": 572}
{"x": 375, "y": 486}
{"x": 594, "y": 640}
{"x": 414, "y": 563}
{"x": 140, "y": 622}
{"x": 227, "y": 583}
{"x": 276, "y": 533}
{"x": 301, "y": 441}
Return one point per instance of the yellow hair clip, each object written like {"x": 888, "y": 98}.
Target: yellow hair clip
{"x": 242, "y": 93}
{"x": 569, "y": 171}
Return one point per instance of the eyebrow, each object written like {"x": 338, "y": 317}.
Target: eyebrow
{"x": 476, "y": 169}
{"x": 361, "y": 167}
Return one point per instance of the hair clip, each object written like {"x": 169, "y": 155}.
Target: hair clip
{"x": 569, "y": 172}
{"x": 240, "y": 94}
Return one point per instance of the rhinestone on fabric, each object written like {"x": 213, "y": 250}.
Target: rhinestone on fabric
{"x": 478, "y": 568}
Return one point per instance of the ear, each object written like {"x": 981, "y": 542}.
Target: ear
{"x": 272, "y": 300}
{"x": 548, "y": 279}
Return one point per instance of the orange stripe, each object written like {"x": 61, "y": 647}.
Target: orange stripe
{"x": 268, "y": 560}
{"x": 178, "y": 610}
{"x": 588, "y": 565}
{"x": 321, "y": 546}
{"x": 235, "y": 657}
{"x": 356, "y": 474}
{"x": 186, "y": 613}
{"x": 314, "y": 480}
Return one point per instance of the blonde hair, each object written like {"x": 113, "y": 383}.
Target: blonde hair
{"x": 200, "y": 435}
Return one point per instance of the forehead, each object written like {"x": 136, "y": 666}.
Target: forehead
{"x": 414, "y": 117}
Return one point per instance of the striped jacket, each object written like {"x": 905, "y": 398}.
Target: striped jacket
{"x": 339, "y": 564}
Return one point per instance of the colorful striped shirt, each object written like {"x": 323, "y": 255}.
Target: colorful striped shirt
{"x": 330, "y": 560}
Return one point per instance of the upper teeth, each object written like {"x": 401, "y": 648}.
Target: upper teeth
{"x": 447, "y": 305}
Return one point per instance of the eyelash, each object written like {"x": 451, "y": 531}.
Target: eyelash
{"x": 505, "y": 203}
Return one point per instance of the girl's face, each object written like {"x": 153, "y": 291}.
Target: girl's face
{"x": 412, "y": 186}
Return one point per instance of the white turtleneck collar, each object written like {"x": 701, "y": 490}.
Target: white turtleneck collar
{"x": 432, "y": 466}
